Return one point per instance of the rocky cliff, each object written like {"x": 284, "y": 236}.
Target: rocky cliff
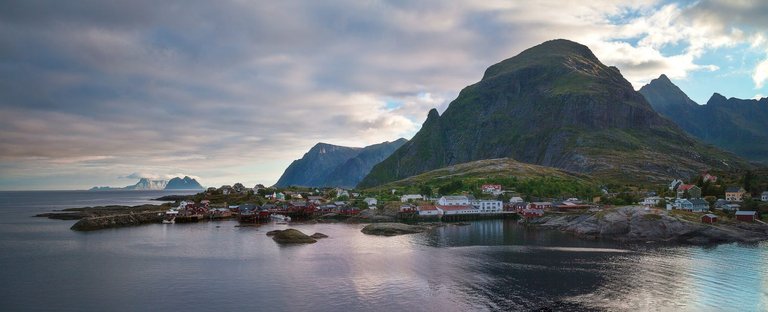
{"x": 732, "y": 124}
{"x": 336, "y": 166}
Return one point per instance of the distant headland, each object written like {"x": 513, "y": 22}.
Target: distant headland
{"x": 146, "y": 184}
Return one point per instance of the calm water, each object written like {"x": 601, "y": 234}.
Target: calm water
{"x": 488, "y": 265}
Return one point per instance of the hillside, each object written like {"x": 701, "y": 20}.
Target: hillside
{"x": 333, "y": 165}
{"x": 555, "y": 105}
{"x": 732, "y": 124}
{"x": 522, "y": 178}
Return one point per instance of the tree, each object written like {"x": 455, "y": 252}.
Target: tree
{"x": 749, "y": 180}
{"x": 425, "y": 190}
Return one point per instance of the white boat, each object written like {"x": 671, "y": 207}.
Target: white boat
{"x": 170, "y": 216}
{"x": 280, "y": 219}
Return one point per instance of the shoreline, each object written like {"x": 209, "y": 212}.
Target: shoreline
{"x": 628, "y": 224}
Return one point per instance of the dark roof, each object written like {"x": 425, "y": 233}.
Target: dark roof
{"x": 699, "y": 201}
{"x": 745, "y": 213}
{"x": 733, "y": 189}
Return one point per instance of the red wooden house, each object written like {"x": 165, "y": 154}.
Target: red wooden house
{"x": 709, "y": 218}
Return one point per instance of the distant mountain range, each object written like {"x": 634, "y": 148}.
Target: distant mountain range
{"x": 146, "y": 184}
{"x": 736, "y": 125}
{"x": 326, "y": 165}
{"x": 555, "y": 105}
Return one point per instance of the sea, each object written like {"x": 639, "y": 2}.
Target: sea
{"x": 490, "y": 265}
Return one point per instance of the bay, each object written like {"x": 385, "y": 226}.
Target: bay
{"x": 487, "y": 265}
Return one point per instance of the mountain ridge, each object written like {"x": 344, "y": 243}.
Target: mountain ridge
{"x": 147, "y": 184}
{"x": 333, "y": 165}
{"x": 555, "y": 105}
{"x": 736, "y": 125}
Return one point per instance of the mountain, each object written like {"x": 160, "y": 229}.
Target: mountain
{"x": 352, "y": 171}
{"x": 146, "y": 184}
{"x": 333, "y": 165}
{"x": 555, "y": 105}
{"x": 732, "y": 124}
{"x": 185, "y": 183}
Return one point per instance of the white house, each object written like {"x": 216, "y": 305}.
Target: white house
{"x": 515, "y": 200}
{"x": 408, "y": 197}
{"x": 486, "y": 206}
{"x": 371, "y": 201}
{"x": 652, "y": 201}
{"x": 428, "y": 210}
{"x": 453, "y": 201}
{"x": 674, "y": 184}
{"x": 494, "y": 189}
{"x": 764, "y": 196}
{"x": 458, "y": 210}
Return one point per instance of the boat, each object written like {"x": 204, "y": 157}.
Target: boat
{"x": 280, "y": 219}
{"x": 170, "y": 216}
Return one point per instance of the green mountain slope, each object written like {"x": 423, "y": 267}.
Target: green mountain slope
{"x": 554, "y": 105}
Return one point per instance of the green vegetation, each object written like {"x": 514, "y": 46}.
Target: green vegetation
{"x": 531, "y": 180}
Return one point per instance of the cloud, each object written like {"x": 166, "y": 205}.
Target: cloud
{"x": 235, "y": 90}
{"x": 760, "y": 75}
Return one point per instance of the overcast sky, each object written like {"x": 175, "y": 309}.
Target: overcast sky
{"x": 103, "y": 92}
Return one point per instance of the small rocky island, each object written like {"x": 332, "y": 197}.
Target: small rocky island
{"x": 294, "y": 236}
{"x": 392, "y": 229}
{"x": 102, "y": 217}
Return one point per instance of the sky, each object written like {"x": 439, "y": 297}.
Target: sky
{"x": 104, "y": 92}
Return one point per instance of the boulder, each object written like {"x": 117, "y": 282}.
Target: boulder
{"x": 292, "y": 236}
{"x": 392, "y": 229}
{"x": 318, "y": 236}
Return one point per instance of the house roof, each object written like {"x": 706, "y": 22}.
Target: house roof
{"x": 710, "y": 216}
{"x": 541, "y": 203}
{"x": 455, "y": 198}
{"x": 746, "y": 213}
{"x": 733, "y": 189}
{"x": 453, "y": 208}
{"x": 685, "y": 187}
{"x": 765, "y": 193}
{"x": 699, "y": 201}
{"x": 426, "y": 207}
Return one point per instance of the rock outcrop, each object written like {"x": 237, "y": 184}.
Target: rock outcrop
{"x": 392, "y": 229}
{"x": 292, "y": 236}
{"x": 115, "y": 221}
{"x": 634, "y": 224}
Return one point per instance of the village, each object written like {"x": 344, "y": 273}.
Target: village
{"x": 261, "y": 204}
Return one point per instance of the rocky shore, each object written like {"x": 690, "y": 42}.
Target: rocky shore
{"x": 96, "y": 218}
{"x": 114, "y": 221}
{"x": 635, "y": 224}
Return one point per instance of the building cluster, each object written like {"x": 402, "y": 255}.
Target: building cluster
{"x": 688, "y": 197}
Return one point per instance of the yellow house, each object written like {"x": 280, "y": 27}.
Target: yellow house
{"x": 735, "y": 194}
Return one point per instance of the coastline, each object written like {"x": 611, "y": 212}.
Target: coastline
{"x": 634, "y": 224}
{"x": 630, "y": 224}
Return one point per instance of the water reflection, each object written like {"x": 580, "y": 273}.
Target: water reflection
{"x": 487, "y": 265}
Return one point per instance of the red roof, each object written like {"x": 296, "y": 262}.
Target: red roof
{"x": 685, "y": 187}
{"x": 426, "y": 207}
{"x": 452, "y": 208}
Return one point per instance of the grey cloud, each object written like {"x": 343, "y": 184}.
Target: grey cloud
{"x": 219, "y": 88}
